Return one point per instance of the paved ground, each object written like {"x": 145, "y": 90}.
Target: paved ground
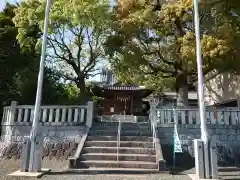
{"x": 58, "y": 168}
{"x": 59, "y": 173}
{"x": 225, "y": 173}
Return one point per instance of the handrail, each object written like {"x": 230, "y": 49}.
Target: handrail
{"x": 153, "y": 128}
{"x": 118, "y": 138}
{"x": 154, "y": 135}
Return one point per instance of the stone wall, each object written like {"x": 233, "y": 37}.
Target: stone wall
{"x": 59, "y": 141}
{"x": 228, "y": 142}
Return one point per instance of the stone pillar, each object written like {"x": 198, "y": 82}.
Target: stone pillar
{"x": 24, "y": 162}
{"x": 35, "y": 159}
{"x": 9, "y": 122}
{"x": 89, "y": 114}
{"x": 199, "y": 159}
{"x": 12, "y": 112}
{"x": 213, "y": 158}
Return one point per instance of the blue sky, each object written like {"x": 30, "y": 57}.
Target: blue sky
{"x": 2, "y": 2}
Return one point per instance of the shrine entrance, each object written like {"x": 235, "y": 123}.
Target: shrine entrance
{"x": 120, "y": 99}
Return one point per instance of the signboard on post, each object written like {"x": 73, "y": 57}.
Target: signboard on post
{"x": 177, "y": 147}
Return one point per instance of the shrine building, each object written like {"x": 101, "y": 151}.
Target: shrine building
{"x": 117, "y": 98}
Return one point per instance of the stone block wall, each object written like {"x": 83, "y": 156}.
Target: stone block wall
{"x": 228, "y": 141}
{"x": 59, "y": 141}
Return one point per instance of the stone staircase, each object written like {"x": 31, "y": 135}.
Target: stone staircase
{"x": 136, "y": 150}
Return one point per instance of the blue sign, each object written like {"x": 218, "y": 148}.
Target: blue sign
{"x": 177, "y": 147}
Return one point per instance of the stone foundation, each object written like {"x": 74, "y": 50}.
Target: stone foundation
{"x": 228, "y": 142}
{"x": 59, "y": 141}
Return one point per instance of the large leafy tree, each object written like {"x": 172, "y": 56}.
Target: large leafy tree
{"x": 155, "y": 43}
{"x": 77, "y": 29}
{"x": 19, "y": 68}
{"x": 229, "y": 17}
{"x": 11, "y": 60}
{"x": 54, "y": 91}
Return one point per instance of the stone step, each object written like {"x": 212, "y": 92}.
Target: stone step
{"x": 125, "y": 125}
{"x": 124, "y": 171}
{"x": 103, "y": 133}
{"x": 115, "y": 164}
{"x": 122, "y": 144}
{"x": 115, "y": 129}
{"x": 103, "y": 128}
{"x": 126, "y": 118}
{"x": 122, "y": 150}
{"x": 143, "y": 119}
{"x": 122, "y": 125}
{"x": 123, "y": 138}
{"x": 123, "y": 133}
{"x": 122, "y": 122}
{"x": 121, "y": 157}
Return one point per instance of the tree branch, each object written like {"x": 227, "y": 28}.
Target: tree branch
{"x": 62, "y": 47}
{"x": 65, "y": 76}
{"x": 80, "y": 43}
{"x": 93, "y": 55}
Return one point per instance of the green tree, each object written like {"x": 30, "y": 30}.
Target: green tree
{"x": 228, "y": 19}
{"x": 19, "y": 68}
{"x": 156, "y": 44}
{"x": 54, "y": 92}
{"x": 77, "y": 30}
{"x": 11, "y": 60}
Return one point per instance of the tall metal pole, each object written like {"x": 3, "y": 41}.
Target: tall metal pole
{"x": 200, "y": 74}
{"x": 238, "y": 91}
{"x": 35, "y": 125}
{"x": 204, "y": 135}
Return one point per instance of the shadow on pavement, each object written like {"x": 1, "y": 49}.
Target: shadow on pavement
{"x": 102, "y": 172}
{"x": 184, "y": 161}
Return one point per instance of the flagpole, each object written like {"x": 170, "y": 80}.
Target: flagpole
{"x": 34, "y": 135}
{"x": 204, "y": 135}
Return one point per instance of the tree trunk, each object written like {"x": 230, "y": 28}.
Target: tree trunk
{"x": 182, "y": 91}
{"x": 182, "y": 96}
{"x": 84, "y": 94}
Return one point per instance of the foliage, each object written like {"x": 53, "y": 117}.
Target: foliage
{"x": 10, "y": 58}
{"x": 53, "y": 91}
{"x": 229, "y": 22}
{"x": 157, "y": 45}
{"x": 19, "y": 68}
{"x": 77, "y": 29}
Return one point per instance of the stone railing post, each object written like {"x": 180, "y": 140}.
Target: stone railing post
{"x": 12, "y": 116}
{"x": 13, "y": 108}
{"x": 89, "y": 114}
{"x": 7, "y": 128}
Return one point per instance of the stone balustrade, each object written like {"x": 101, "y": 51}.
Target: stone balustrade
{"x": 227, "y": 116}
{"x": 61, "y": 126}
{"x": 49, "y": 115}
{"x": 221, "y": 123}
